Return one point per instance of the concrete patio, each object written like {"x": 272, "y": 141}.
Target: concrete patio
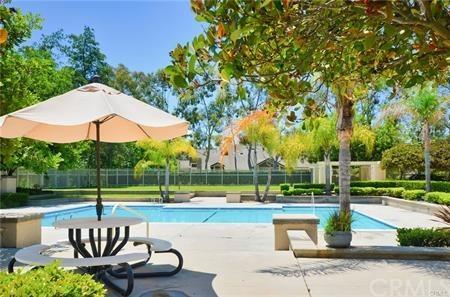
{"x": 239, "y": 260}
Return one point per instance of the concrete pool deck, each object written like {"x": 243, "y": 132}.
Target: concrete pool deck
{"x": 239, "y": 260}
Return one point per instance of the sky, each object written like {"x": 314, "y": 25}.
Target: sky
{"x": 138, "y": 34}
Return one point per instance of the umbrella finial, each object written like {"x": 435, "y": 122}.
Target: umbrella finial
{"x": 95, "y": 79}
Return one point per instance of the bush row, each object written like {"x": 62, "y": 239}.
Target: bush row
{"x": 413, "y": 194}
{"x": 423, "y": 237}
{"x": 49, "y": 281}
{"x": 439, "y": 186}
{"x": 438, "y": 197}
{"x": 10, "y": 200}
{"x": 286, "y": 187}
{"x": 296, "y": 192}
{"x": 369, "y": 191}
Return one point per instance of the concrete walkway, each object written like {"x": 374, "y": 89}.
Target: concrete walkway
{"x": 239, "y": 260}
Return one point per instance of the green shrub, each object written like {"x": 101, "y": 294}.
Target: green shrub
{"x": 33, "y": 191}
{"x": 311, "y": 186}
{"x": 423, "y": 237}
{"x": 287, "y": 192}
{"x": 339, "y": 221}
{"x": 10, "y": 200}
{"x": 297, "y": 191}
{"x": 441, "y": 186}
{"x": 49, "y": 281}
{"x": 366, "y": 191}
{"x": 438, "y": 197}
{"x": 284, "y": 187}
{"x": 392, "y": 192}
{"x": 413, "y": 194}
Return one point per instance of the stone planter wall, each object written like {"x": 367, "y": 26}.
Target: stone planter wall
{"x": 183, "y": 196}
{"x": 19, "y": 230}
{"x": 327, "y": 199}
{"x": 233, "y": 197}
{"x": 417, "y": 206}
{"x": 8, "y": 184}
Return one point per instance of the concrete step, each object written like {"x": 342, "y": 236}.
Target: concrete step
{"x": 304, "y": 248}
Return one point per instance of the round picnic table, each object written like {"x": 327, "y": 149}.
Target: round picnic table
{"x": 113, "y": 226}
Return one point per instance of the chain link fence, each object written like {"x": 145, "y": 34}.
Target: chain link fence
{"x": 86, "y": 178}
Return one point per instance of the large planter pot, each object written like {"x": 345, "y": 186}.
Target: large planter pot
{"x": 338, "y": 239}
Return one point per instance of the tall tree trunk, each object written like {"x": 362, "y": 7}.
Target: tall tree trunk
{"x": 327, "y": 173}
{"x": 166, "y": 182}
{"x": 159, "y": 185}
{"x": 269, "y": 180}
{"x": 255, "y": 175}
{"x": 235, "y": 156}
{"x": 208, "y": 151}
{"x": 426, "y": 152}
{"x": 345, "y": 130}
{"x": 249, "y": 157}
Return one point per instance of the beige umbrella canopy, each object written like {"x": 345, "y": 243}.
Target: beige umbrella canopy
{"x": 94, "y": 111}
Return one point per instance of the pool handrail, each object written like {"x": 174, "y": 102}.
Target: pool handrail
{"x": 135, "y": 212}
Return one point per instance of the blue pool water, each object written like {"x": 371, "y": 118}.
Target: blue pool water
{"x": 156, "y": 213}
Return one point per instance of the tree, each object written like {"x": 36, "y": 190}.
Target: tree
{"x": 86, "y": 57}
{"x": 403, "y": 158}
{"x": 163, "y": 154}
{"x": 259, "y": 129}
{"x": 427, "y": 108}
{"x": 79, "y": 51}
{"x": 28, "y": 76}
{"x": 262, "y": 132}
{"x": 151, "y": 88}
{"x": 205, "y": 112}
{"x": 387, "y": 135}
{"x": 280, "y": 45}
{"x": 323, "y": 139}
{"x": 440, "y": 156}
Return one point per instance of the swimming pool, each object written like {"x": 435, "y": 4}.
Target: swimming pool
{"x": 172, "y": 214}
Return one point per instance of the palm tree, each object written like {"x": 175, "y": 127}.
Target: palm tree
{"x": 323, "y": 139}
{"x": 163, "y": 154}
{"x": 259, "y": 130}
{"x": 424, "y": 106}
{"x": 263, "y": 132}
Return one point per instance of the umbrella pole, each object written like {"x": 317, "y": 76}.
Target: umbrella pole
{"x": 99, "y": 205}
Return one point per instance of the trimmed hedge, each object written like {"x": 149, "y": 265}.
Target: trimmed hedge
{"x": 438, "y": 197}
{"x": 392, "y": 192}
{"x": 423, "y": 237}
{"x": 284, "y": 187}
{"x": 413, "y": 194}
{"x": 298, "y": 192}
{"x": 368, "y": 191}
{"x": 10, "y": 200}
{"x": 311, "y": 186}
{"x": 50, "y": 281}
{"x": 440, "y": 186}
{"x": 287, "y": 193}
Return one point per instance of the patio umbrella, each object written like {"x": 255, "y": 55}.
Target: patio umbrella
{"x": 96, "y": 112}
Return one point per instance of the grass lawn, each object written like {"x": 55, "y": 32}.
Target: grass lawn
{"x": 145, "y": 192}
{"x": 172, "y": 188}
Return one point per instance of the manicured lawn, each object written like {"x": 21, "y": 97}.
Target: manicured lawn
{"x": 172, "y": 188}
{"x": 145, "y": 192}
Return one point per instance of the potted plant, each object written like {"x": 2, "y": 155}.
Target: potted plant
{"x": 338, "y": 229}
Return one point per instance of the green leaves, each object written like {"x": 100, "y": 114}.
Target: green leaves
{"x": 50, "y": 281}
{"x": 179, "y": 81}
{"x": 369, "y": 41}
{"x": 227, "y": 72}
